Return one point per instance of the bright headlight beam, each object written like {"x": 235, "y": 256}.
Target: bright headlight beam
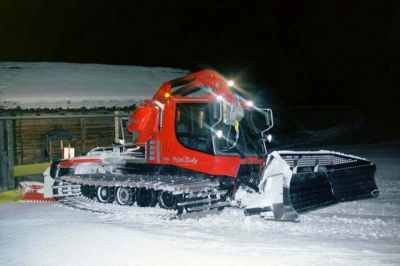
{"x": 230, "y": 83}
{"x": 269, "y": 138}
{"x": 249, "y": 103}
{"x": 220, "y": 98}
{"x": 219, "y": 134}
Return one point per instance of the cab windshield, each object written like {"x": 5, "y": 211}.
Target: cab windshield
{"x": 215, "y": 129}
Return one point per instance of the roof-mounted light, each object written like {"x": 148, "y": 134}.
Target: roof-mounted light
{"x": 230, "y": 83}
{"x": 167, "y": 95}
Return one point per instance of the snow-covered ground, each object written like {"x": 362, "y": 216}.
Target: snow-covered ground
{"x": 70, "y": 85}
{"x": 354, "y": 233}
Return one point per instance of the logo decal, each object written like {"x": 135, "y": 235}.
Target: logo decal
{"x": 185, "y": 160}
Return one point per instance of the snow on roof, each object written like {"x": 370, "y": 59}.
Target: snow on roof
{"x": 71, "y": 85}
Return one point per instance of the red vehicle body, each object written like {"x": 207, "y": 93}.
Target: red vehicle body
{"x": 153, "y": 124}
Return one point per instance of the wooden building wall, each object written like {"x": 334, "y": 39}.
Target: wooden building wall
{"x": 33, "y": 137}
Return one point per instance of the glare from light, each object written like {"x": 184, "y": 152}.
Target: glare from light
{"x": 249, "y": 103}
{"x": 167, "y": 95}
{"x": 220, "y": 98}
{"x": 231, "y": 83}
{"x": 219, "y": 134}
{"x": 269, "y": 138}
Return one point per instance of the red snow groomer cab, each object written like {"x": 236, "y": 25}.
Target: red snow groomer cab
{"x": 197, "y": 140}
{"x": 197, "y": 123}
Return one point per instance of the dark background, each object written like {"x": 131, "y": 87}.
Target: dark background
{"x": 289, "y": 53}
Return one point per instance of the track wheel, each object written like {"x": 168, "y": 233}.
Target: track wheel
{"x": 105, "y": 194}
{"x": 167, "y": 200}
{"x": 124, "y": 196}
{"x": 146, "y": 197}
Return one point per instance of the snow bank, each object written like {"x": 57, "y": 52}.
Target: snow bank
{"x": 68, "y": 85}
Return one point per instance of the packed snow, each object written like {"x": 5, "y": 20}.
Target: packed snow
{"x": 71, "y": 85}
{"x": 354, "y": 233}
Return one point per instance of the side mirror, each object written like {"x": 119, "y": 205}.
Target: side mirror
{"x": 268, "y": 118}
{"x": 261, "y": 120}
{"x": 124, "y": 122}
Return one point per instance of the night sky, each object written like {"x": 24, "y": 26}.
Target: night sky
{"x": 302, "y": 52}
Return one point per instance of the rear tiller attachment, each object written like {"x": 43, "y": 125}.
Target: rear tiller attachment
{"x": 295, "y": 182}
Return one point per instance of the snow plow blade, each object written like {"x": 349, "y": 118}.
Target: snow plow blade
{"x": 295, "y": 182}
